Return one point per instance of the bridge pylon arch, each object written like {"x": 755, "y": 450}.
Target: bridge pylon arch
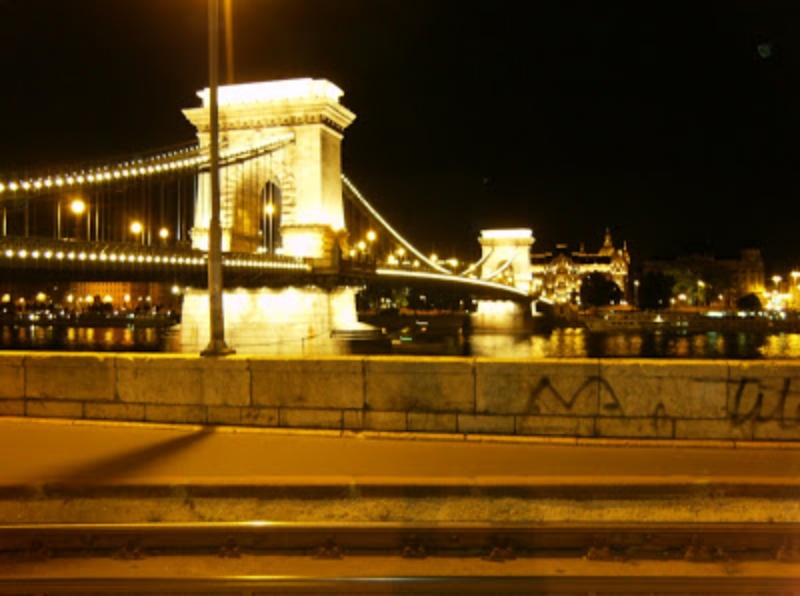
{"x": 307, "y": 114}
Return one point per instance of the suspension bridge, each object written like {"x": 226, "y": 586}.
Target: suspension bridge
{"x": 291, "y": 221}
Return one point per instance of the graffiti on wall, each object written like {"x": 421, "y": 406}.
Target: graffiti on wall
{"x": 749, "y": 400}
{"x": 751, "y": 404}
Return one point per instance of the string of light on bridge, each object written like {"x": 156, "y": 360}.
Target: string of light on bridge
{"x": 451, "y": 278}
{"x": 171, "y": 161}
{"x": 134, "y": 257}
{"x": 394, "y": 233}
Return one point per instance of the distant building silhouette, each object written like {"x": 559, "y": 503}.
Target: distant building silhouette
{"x": 706, "y": 279}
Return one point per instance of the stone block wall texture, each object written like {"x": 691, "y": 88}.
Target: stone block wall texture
{"x": 652, "y": 399}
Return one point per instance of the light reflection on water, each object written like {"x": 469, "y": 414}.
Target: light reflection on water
{"x": 86, "y": 339}
{"x": 561, "y": 343}
{"x": 579, "y": 343}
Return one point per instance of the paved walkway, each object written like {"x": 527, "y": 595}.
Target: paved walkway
{"x": 60, "y": 453}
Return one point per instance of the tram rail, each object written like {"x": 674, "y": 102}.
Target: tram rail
{"x": 378, "y": 558}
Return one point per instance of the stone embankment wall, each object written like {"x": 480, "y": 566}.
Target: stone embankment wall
{"x": 668, "y": 399}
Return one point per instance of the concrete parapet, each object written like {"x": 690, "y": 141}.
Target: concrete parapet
{"x": 334, "y": 382}
{"x": 541, "y": 387}
{"x": 670, "y": 400}
{"x": 77, "y": 377}
{"x": 259, "y": 416}
{"x": 12, "y": 373}
{"x": 420, "y": 384}
{"x": 665, "y": 388}
{"x": 114, "y": 411}
{"x": 183, "y": 380}
{"x": 291, "y": 417}
{"x": 51, "y": 408}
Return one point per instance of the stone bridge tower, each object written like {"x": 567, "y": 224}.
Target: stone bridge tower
{"x": 307, "y": 170}
{"x": 507, "y": 255}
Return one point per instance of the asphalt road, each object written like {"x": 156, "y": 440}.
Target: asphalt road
{"x": 37, "y": 452}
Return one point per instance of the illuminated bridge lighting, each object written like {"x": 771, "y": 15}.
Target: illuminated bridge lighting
{"x": 451, "y": 278}
{"x": 402, "y": 241}
{"x": 183, "y": 159}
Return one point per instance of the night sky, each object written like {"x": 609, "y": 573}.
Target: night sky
{"x": 675, "y": 124}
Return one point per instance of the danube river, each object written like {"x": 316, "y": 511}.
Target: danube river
{"x": 560, "y": 343}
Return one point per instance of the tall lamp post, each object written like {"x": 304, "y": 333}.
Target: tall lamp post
{"x": 216, "y": 345}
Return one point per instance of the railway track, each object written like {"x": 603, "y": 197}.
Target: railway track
{"x": 413, "y": 558}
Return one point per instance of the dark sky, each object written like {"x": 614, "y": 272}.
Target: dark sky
{"x": 675, "y": 124}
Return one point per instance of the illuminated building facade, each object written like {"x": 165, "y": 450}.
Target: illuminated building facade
{"x": 557, "y": 275}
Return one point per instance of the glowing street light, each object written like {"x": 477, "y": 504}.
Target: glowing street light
{"x": 777, "y": 279}
{"x": 137, "y": 229}
{"x": 78, "y": 208}
{"x": 163, "y": 233}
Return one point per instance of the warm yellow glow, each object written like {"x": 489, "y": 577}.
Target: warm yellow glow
{"x": 362, "y": 245}
{"x": 126, "y": 298}
{"x": 108, "y": 299}
{"x": 460, "y": 280}
{"x": 270, "y": 208}
{"x": 519, "y": 234}
{"x": 136, "y": 227}
{"x": 41, "y": 297}
{"x": 163, "y": 233}
{"x": 6, "y": 298}
{"x": 77, "y": 206}
{"x": 371, "y": 236}
{"x": 274, "y": 91}
{"x": 70, "y": 298}
{"x": 302, "y": 245}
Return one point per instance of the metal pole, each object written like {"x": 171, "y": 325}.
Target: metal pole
{"x": 216, "y": 345}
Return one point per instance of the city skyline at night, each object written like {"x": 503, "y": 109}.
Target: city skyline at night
{"x": 672, "y": 125}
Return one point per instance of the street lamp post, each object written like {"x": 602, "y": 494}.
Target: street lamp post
{"x": 216, "y": 345}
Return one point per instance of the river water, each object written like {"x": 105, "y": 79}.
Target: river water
{"x": 560, "y": 343}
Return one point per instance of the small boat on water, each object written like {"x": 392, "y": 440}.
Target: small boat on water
{"x": 687, "y": 321}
